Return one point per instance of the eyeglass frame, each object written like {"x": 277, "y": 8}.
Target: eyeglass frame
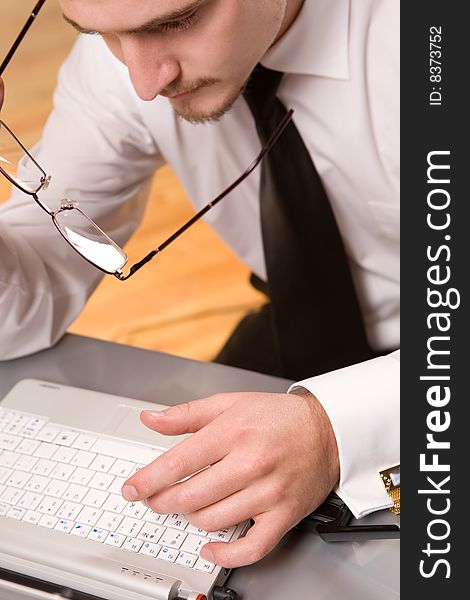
{"x": 67, "y": 204}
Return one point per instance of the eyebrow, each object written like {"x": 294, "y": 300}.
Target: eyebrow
{"x": 151, "y": 25}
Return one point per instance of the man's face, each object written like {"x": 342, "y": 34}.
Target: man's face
{"x": 198, "y": 53}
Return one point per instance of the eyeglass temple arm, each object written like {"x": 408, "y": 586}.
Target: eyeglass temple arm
{"x": 266, "y": 148}
{"x": 21, "y": 35}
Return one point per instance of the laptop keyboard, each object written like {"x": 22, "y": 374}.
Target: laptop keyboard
{"x": 70, "y": 481}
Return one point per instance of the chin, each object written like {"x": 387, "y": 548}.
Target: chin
{"x": 203, "y": 107}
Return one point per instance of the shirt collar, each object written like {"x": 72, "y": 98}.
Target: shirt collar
{"x": 316, "y": 43}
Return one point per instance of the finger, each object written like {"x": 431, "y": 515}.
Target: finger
{"x": 2, "y": 92}
{"x": 268, "y": 530}
{"x": 183, "y": 460}
{"x": 188, "y": 417}
{"x": 230, "y": 511}
{"x": 215, "y": 483}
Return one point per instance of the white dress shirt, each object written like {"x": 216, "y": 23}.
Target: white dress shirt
{"x": 102, "y": 145}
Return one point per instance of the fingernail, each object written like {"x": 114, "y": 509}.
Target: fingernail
{"x": 156, "y": 413}
{"x": 130, "y": 493}
{"x": 207, "y": 554}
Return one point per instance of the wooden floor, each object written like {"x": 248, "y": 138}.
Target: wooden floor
{"x": 187, "y": 301}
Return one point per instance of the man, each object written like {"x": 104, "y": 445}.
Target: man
{"x": 161, "y": 82}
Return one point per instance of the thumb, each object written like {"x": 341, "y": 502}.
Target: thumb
{"x": 188, "y": 417}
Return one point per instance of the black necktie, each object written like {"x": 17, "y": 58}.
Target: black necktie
{"x": 317, "y": 321}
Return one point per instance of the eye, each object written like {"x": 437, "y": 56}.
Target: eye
{"x": 180, "y": 25}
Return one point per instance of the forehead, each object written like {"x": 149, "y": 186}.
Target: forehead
{"x": 123, "y": 15}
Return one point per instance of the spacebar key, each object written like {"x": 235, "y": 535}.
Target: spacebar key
{"x": 138, "y": 454}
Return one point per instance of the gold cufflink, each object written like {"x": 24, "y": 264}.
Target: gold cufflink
{"x": 391, "y": 480}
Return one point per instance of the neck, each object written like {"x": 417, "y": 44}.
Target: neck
{"x": 292, "y": 12}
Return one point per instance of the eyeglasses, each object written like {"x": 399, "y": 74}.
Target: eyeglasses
{"x": 81, "y": 232}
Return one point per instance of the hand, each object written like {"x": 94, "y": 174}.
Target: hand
{"x": 2, "y": 92}
{"x": 269, "y": 457}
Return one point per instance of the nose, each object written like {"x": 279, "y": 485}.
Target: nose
{"x": 151, "y": 69}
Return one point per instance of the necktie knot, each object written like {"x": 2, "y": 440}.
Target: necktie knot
{"x": 260, "y": 91}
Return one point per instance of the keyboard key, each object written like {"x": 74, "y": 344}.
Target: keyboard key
{"x": 130, "y": 527}
{"x": 84, "y": 441}
{"x": 69, "y": 510}
{"x": 11, "y": 495}
{"x": 176, "y": 521}
{"x": 115, "y": 539}
{"x": 16, "y": 512}
{"x": 49, "y": 505}
{"x": 81, "y": 476}
{"x": 151, "y": 532}
{"x": 80, "y": 530}
{"x": 109, "y": 521}
{"x": 132, "y": 544}
{"x": 153, "y": 517}
{"x": 56, "y": 488}
{"x": 17, "y": 479}
{"x": 48, "y": 433}
{"x": 89, "y": 516}
{"x": 223, "y": 535}
{"x": 75, "y": 492}
{"x": 37, "y": 483}
{"x": 32, "y": 428}
{"x": 135, "y": 509}
{"x": 204, "y": 565}
{"x": 115, "y": 503}
{"x": 186, "y": 559}
{"x": 173, "y": 538}
{"x": 44, "y": 467}
{"x": 101, "y": 481}
{"x": 8, "y": 459}
{"x": 45, "y": 450}
{"x": 66, "y": 437}
{"x": 62, "y": 471}
{"x": 98, "y": 535}
{"x": 5, "y": 474}
{"x": 64, "y": 525}
{"x": 82, "y": 458}
{"x": 30, "y": 500}
{"x": 102, "y": 463}
{"x": 28, "y": 446}
{"x": 191, "y": 529}
{"x": 16, "y": 424}
{"x": 95, "y": 498}
{"x": 32, "y": 517}
{"x": 168, "y": 554}
{"x": 149, "y": 549}
{"x": 116, "y": 486}
{"x": 122, "y": 468}
{"x": 5, "y": 416}
{"x": 48, "y": 521}
{"x": 4, "y": 509}
{"x": 193, "y": 544}
{"x": 8, "y": 442}
{"x": 64, "y": 454}
{"x": 25, "y": 463}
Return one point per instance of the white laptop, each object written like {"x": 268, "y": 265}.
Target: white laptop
{"x": 64, "y": 455}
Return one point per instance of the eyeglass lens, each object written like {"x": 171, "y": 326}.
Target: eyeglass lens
{"x": 89, "y": 240}
{"x": 16, "y": 164}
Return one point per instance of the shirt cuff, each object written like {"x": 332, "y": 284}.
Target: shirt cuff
{"x": 363, "y": 404}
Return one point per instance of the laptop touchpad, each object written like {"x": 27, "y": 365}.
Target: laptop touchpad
{"x": 126, "y": 423}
